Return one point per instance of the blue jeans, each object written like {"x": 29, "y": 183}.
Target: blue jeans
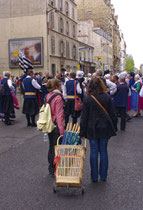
{"x": 99, "y": 146}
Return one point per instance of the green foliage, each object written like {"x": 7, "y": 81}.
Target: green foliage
{"x": 129, "y": 65}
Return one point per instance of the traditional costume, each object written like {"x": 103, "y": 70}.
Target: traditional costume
{"x": 30, "y": 105}
{"x": 7, "y": 106}
{"x": 135, "y": 96}
{"x": 121, "y": 102}
{"x": 69, "y": 92}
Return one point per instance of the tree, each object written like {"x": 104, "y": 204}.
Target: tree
{"x": 130, "y": 64}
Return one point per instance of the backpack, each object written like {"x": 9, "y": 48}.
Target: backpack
{"x": 2, "y": 89}
{"x": 45, "y": 123}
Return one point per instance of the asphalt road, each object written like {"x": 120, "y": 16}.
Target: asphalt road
{"x": 26, "y": 185}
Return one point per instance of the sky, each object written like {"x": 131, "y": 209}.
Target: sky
{"x": 130, "y": 20}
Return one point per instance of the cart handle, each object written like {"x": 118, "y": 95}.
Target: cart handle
{"x": 85, "y": 143}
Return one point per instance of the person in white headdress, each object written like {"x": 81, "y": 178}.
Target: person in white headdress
{"x": 112, "y": 87}
{"x": 135, "y": 95}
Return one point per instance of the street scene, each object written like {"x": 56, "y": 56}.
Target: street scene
{"x": 71, "y": 105}
{"x": 25, "y": 183}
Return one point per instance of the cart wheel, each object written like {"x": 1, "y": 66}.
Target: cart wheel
{"x": 82, "y": 190}
{"x": 54, "y": 189}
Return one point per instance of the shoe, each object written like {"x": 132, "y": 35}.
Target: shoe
{"x": 33, "y": 125}
{"x": 103, "y": 180}
{"x": 52, "y": 172}
{"x": 8, "y": 123}
{"x": 129, "y": 119}
{"x": 94, "y": 181}
{"x": 29, "y": 124}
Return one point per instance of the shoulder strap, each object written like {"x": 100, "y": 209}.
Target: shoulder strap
{"x": 75, "y": 88}
{"x": 52, "y": 97}
{"x": 95, "y": 99}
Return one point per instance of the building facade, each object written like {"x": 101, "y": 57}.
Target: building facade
{"x": 54, "y": 21}
{"x": 99, "y": 40}
{"x": 116, "y": 43}
{"x": 98, "y": 11}
{"x": 62, "y": 35}
{"x": 122, "y": 53}
{"x": 102, "y": 13}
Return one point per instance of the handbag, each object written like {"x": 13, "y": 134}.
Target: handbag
{"x": 78, "y": 103}
{"x": 107, "y": 114}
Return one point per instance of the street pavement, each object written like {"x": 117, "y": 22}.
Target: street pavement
{"x": 26, "y": 185}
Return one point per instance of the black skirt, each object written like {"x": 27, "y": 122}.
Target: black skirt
{"x": 30, "y": 106}
{"x": 7, "y": 104}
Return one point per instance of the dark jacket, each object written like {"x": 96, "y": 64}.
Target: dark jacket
{"x": 121, "y": 96}
{"x": 131, "y": 82}
{"x": 95, "y": 123}
{"x": 7, "y": 89}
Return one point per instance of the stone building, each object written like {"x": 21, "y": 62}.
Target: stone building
{"x": 54, "y": 21}
{"x": 97, "y": 10}
{"x": 122, "y": 53}
{"x": 101, "y": 42}
{"x": 62, "y": 35}
{"x": 86, "y": 48}
{"x": 103, "y": 15}
{"x": 86, "y": 60}
{"x": 141, "y": 69}
{"x": 116, "y": 43}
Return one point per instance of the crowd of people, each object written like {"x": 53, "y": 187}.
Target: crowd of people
{"x": 104, "y": 97}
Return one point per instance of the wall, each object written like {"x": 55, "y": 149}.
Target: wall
{"x": 96, "y": 10}
{"x": 23, "y": 27}
{"x": 21, "y": 19}
{"x": 19, "y": 8}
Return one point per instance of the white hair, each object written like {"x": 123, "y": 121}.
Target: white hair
{"x": 137, "y": 76}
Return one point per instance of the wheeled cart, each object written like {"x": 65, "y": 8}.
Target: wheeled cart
{"x": 69, "y": 160}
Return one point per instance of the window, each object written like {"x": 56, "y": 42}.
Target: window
{"x": 62, "y": 48}
{"x": 66, "y": 8}
{"x": 60, "y": 5}
{"x": 80, "y": 56}
{"x": 73, "y": 14}
{"x": 67, "y": 50}
{"x": 61, "y": 25}
{"x": 67, "y": 28}
{"x": 53, "y": 69}
{"x": 52, "y": 22}
{"x": 84, "y": 55}
{"x": 74, "y": 33}
{"x": 52, "y": 2}
{"x": 52, "y": 45}
{"x": 74, "y": 52}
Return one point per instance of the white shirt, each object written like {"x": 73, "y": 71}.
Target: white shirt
{"x": 35, "y": 83}
{"x": 112, "y": 86}
{"x": 9, "y": 82}
{"x": 78, "y": 88}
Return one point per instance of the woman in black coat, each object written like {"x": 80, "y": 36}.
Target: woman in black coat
{"x": 98, "y": 125}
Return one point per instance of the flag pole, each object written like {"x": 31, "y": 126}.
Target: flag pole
{"x": 20, "y": 89}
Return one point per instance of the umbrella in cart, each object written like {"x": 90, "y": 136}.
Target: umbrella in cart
{"x": 75, "y": 138}
{"x": 71, "y": 136}
{"x": 66, "y": 134}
